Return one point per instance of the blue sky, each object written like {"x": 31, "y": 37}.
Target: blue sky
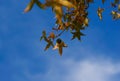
{"x": 22, "y": 57}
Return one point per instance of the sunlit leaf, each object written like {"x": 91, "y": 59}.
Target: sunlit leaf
{"x": 59, "y": 45}
{"x": 71, "y": 16}
{"x": 29, "y": 6}
{"x": 57, "y": 8}
{"x": 86, "y": 21}
{"x": 73, "y": 1}
{"x": 119, "y": 7}
{"x": 66, "y": 3}
{"x": 99, "y": 12}
{"x": 59, "y": 13}
{"x": 115, "y": 15}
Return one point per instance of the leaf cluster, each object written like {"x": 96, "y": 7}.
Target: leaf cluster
{"x": 71, "y": 16}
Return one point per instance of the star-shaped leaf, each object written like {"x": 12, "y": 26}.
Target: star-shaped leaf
{"x": 77, "y": 35}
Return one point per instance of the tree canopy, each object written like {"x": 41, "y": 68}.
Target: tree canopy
{"x": 71, "y": 16}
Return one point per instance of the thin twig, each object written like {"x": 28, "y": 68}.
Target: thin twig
{"x": 61, "y": 33}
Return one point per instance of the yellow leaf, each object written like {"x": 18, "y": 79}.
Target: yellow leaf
{"x": 29, "y": 6}
{"x": 58, "y": 11}
{"x": 59, "y": 45}
{"x": 66, "y": 3}
{"x": 86, "y": 22}
{"x": 119, "y": 7}
{"x": 73, "y": 1}
{"x": 118, "y": 15}
{"x": 99, "y": 12}
{"x": 115, "y": 15}
{"x": 113, "y": 12}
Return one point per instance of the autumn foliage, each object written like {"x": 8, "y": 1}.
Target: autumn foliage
{"x": 71, "y": 16}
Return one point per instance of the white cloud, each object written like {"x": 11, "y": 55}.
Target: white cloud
{"x": 84, "y": 70}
